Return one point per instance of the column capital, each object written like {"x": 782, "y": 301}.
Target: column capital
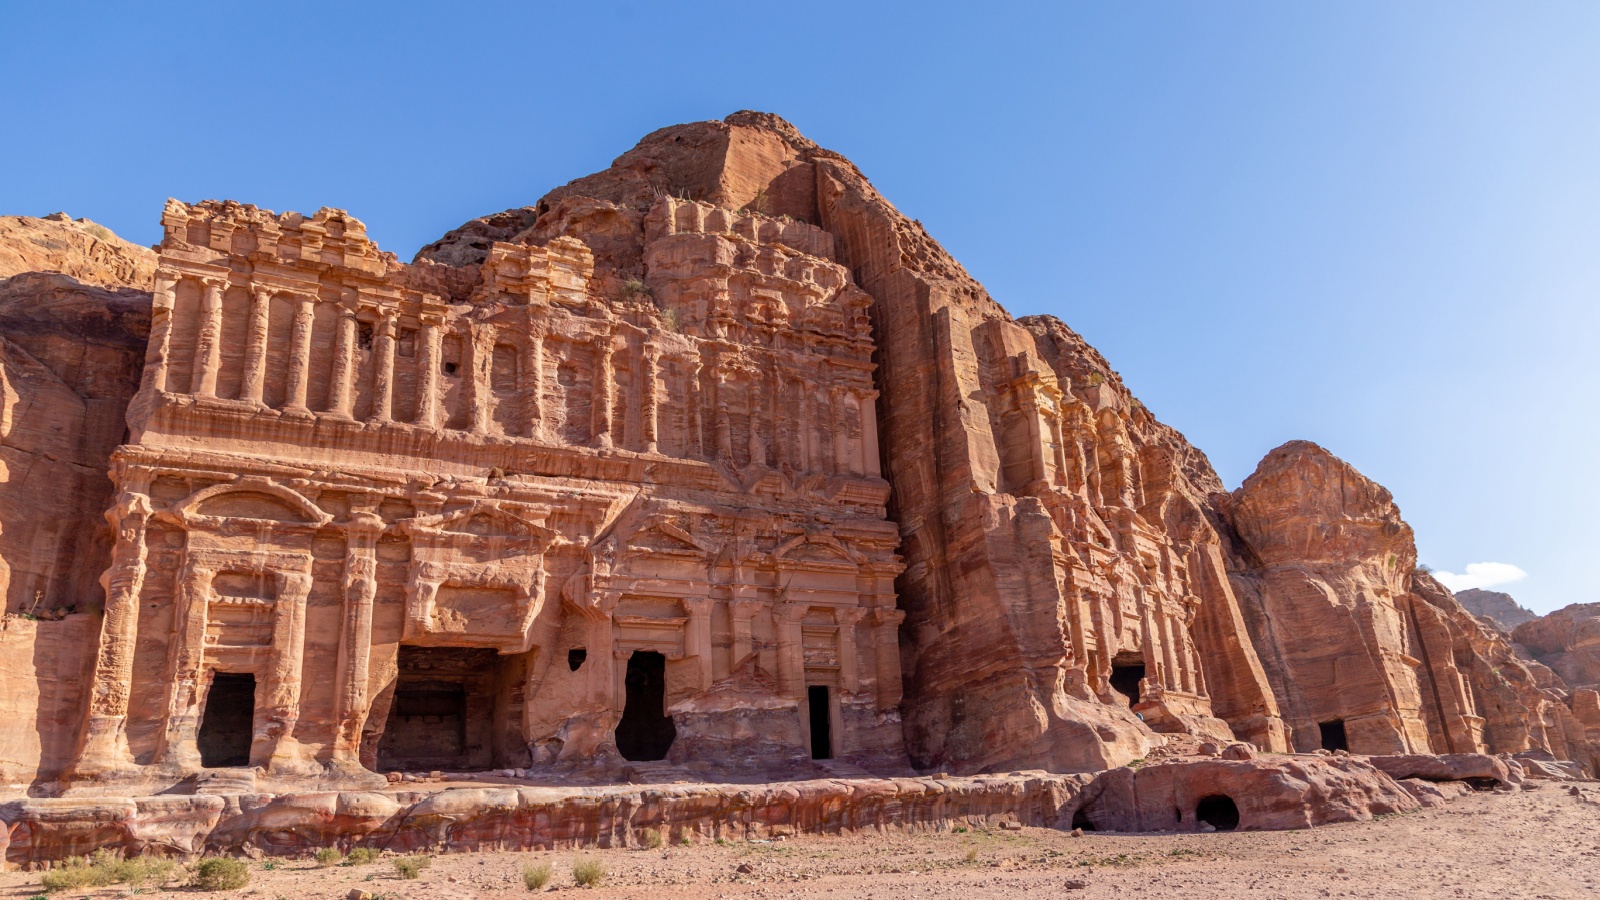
{"x": 849, "y": 615}
{"x": 888, "y": 616}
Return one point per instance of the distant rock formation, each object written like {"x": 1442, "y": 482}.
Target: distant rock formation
{"x": 1568, "y": 641}
{"x": 1500, "y": 609}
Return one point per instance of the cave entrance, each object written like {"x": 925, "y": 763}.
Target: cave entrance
{"x": 228, "y": 724}
{"x": 1080, "y": 819}
{"x": 821, "y": 721}
{"x": 1127, "y": 671}
{"x": 1219, "y": 811}
{"x": 646, "y": 731}
{"x": 1333, "y": 735}
{"x": 442, "y": 716}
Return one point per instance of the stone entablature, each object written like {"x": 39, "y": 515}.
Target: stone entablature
{"x": 348, "y": 479}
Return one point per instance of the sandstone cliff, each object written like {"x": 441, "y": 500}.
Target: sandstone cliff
{"x": 1365, "y": 651}
{"x": 1568, "y": 641}
{"x": 1063, "y": 579}
{"x": 74, "y": 317}
{"x": 1500, "y": 609}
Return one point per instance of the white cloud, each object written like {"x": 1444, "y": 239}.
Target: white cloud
{"x": 1481, "y": 575}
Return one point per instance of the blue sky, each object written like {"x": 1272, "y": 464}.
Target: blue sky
{"x": 1374, "y": 225}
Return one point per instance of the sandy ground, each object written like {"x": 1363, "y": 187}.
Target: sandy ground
{"x": 1540, "y": 844}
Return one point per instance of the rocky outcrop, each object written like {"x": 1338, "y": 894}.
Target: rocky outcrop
{"x": 1502, "y": 610}
{"x": 1269, "y": 794}
{"x": 1568, "y": 641}
{"x": 1365, "y": 651}
{"x": 80, "y": 249}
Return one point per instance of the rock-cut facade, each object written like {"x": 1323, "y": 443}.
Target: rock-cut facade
{"x": 711, "y": 461}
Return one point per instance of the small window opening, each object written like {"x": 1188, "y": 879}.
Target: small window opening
{"x": 449, "y": 368}
{"x": 1218, "y": 811}
{"x": 821, "y": 721}
{"x": 228, "y": 723}
{"x": 364, "y": 335}
{"x": 575, "y": 658}
{"x": 1333, "y": 735}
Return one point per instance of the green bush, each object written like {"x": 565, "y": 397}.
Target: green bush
{"x": 220, "y": 873}
{"x": 653, "y": 839}
{"x": 106, "y": 867}
{"x": 588, "y": 872}
{"x": 329, "y": 856}
{"x": 536, "y": 875}
{"x": 411, "y": 866}
{"x": 360, "y": 856}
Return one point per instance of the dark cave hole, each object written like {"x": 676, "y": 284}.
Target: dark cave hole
{"x": 1218, "y": 811}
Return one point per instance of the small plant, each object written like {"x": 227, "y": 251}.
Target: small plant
{"x": 635, "y": 288}
{"x": 960, "y": 829}
{"x": 653, "y": 840}
{"x": 361, "y": 856}
{"x": 669, "y": 319}
{"x": 758, "y": 203}
{"x": 106, "y": 867}
{"x": 329, "y": 856}
{"x": 269, "y": 865}
{"x": 972, "y": 856}
{"x": 588, "y": 872}
{"x": 411, "y": 867}
{"x": 220, "y": 873}
{"x": 536, "y": 875}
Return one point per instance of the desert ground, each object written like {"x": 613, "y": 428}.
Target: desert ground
{"x": 1538, "y": 844}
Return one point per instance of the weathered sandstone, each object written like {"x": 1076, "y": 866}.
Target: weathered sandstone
{"x": 709, "y": 464}
{"x": 1500, "y": 609}
{"x": 1365, "y": 651}
{"x": 1568, "y": 641}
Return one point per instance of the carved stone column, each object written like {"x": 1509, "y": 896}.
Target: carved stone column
{"x": 694, "y": 446}
{"x": 841, "y": 435}
{"x": 383, "y": 371}
{"x": 341, "y": 397}
{"x": 723, "y": 426}
{"x": 157, "y": 361}
{"x": 647, "y": 392}
{"x": 104, "y": 746}
{"x": 208, "y": 342}
{"x": 603, "y": 380}
{"x": 282, "y": 707}
{"x": 791, "y": 650}
{"x": 535, "y": 386}
{"x": 887, "y": 625}
{"x": 871, "y": 463}
{"x": 742, "y": 612}
{"x": 849, "y": 668}
{"x": 697, "y": 642}
{"x": 479, "y": 349}
{"x": 300, "y": 356}
{"x": 186, "y": 669}
{"x": 428, "y": 374}
{"x": 355, "y": 645}
{"x": 252, "y": 386}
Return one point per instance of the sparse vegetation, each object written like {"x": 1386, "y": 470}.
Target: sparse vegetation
{"x": 758, "y": 203}
{"x": 361, "y": 856}
{"x": 635, "y": 288}
{"x": 972, "y": 856}
{"x": 105, "y": 868}
{"x": 329, "y": 856}
{"x": 653, "y": 840}
{"x": 411, "y": 867}
{"x": 535, "y": 875}
{"x": 221, "y": 873}
{"x": 669, "y": 319}
{"x": 588, "y": 871}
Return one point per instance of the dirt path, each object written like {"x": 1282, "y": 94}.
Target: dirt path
{"x": 1543, "y": 844}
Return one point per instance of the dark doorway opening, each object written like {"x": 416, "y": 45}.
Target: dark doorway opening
{"x": 646, "y": 731}
{"x": 575, "y": 658}
{"x": 1333, "y": 736}
{"x": 443, "y": 712}
{"x": 228, "y": 724}
{"x": 1127, "y": 670}
{"x": 1080, "y": 819}
{"x": 821, "y": 722}
{"x": 1218, "y": 811}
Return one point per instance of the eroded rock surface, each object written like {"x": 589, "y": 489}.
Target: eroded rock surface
{"x": 1499, "y": 608}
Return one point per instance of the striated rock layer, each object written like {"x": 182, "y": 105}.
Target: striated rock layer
{"x": 1500, "y": 609}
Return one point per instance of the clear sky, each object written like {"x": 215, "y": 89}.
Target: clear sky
{"x": 1374, "y": 225}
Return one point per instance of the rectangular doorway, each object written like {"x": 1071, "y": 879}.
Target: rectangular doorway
{"x": 821, "y": 721}
{"x": 227, "y": 726}
{"x": 1333, "y": 735}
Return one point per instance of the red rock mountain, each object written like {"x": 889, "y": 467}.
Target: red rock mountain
{"x": 734, "y": 416}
